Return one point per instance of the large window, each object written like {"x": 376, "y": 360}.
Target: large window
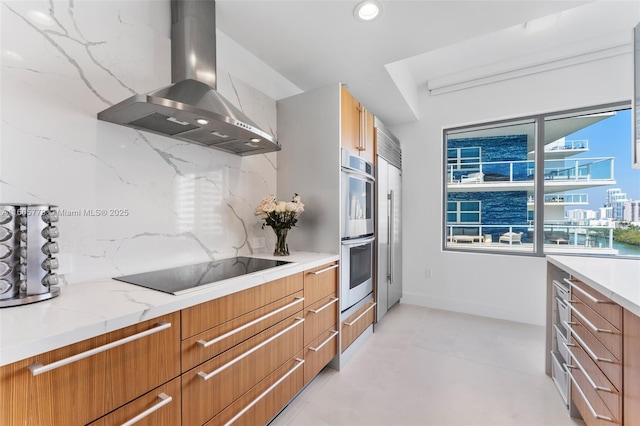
{"x": 555, "y": 183}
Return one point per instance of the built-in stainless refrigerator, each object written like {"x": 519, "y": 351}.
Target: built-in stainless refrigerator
{"x": 389, "y": 220}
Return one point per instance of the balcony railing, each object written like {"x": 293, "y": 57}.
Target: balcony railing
{"x": 564, "y": 145}
{"x": 563, "y": 199}
{"x": 582, "y": 169}
{"x": 560, "y": 235}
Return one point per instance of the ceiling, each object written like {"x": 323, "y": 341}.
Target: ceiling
{"x": 423, "y": 45}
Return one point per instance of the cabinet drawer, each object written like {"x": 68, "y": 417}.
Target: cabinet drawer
{"x": 212, "y": 386}
{"x": 607, "y": 392}
{"x": 560, "y": 376}
{"x": 160, "y": 407}
{"x": 563, "y": 312}
{"x": 591, "y": 408}
{"x": 604, "y": 306}
{"x": 203, "y": 346}
{"x": 320, "y": 282}
{"x": 84, "y": 390}
{"x": 356, "y": 324}
{"x": 602, "y": 330}
{"x": 561, "y": 342}
{"x": 319, "y": 317}
{"x": 561, "y": 290}
{"x": 261, "y": 404}
{"x": 605, "y": 361}
{"x": 204, "y": 316}
{"x": 318, "y": 354}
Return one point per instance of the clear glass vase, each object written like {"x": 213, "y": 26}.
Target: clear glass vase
{"x": 282, "y": 248}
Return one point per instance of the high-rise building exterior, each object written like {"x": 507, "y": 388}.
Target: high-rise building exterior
{"x": 616, "y": 200}
{"x": 631, "y": 211}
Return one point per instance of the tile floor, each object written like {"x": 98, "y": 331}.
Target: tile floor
{"x": 431, "y": 367}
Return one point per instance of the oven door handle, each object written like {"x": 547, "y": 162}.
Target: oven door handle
{"x": 358, "y": 173}
{"x": 357, "y": 241}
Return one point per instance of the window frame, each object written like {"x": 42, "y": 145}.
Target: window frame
{"x": 538, "y": 121}
{"x": 458, "y": 212}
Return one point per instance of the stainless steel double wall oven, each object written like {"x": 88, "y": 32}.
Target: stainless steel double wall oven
{"x": 358, "y": 241}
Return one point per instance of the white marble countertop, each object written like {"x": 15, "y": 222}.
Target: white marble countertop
{"x": 618, "y": 279}
{"x": 87, "y": 310}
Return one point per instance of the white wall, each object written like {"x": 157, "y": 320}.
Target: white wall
{"x": 184, "y": 203}
{"x": 507, "y": 287}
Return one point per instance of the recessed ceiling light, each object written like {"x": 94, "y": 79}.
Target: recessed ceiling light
{"x": 254, "y": 140}
{"x": 202, "y": 121}
{"x": 368, "y": 10}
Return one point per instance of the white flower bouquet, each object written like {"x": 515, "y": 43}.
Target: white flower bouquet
{"x": 281, "y": 216}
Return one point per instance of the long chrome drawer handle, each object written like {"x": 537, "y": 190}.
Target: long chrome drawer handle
{"x": 322, "y": 271}
{"x": 206, "y": 376}
{"x": 587, "y": 295}
{"x": 266, "y": 392}
{"x": 584, "y": 345}
{"x": 361, "y": 315}
{"x": 315, "y": 311}
{"x": 581, "y": 368}
{"x": 164, "y": 400}
{"x": 37, "y": 368}
{"x": 334, "y": 333}
{"x": 586, "y": 401}
{"x": 587, "y": 322}
{"x": 249, "y": 324}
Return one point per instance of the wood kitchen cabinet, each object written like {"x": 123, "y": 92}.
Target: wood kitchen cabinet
{"x": 246, "y": 343}
{"x": 84, "y": 390}
{"x": 160, "y": 407}
{"x": 602, "y": 344}
{"x": 595, "y": 355}
{"x": 357, "y": 127}
{"x": 239, "y": 358}
{"x": 321, "y": 314}
{"x": 356, "y": 324}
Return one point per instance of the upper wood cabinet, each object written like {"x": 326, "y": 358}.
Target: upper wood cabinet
{"x": 357, "y": 126}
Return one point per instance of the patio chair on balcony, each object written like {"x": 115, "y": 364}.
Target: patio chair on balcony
{"x": 476, "y": 177}
{"x": 511, "y": 237}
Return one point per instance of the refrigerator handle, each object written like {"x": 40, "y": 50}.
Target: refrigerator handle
{"x": 390, "y": 236}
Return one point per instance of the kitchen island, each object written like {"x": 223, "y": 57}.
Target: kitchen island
{"x": 593, "y": 336}
{"x": 113, "y": 351}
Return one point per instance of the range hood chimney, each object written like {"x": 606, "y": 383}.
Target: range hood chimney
{"x": 191, "y": 109}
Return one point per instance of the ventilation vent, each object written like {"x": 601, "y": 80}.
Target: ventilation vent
{"x": 162, "y": 124}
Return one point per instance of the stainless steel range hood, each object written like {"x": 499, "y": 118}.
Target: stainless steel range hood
{"x": 191, "y": 109}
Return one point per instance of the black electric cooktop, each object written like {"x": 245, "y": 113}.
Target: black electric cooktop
{"x": 176, "y": 280}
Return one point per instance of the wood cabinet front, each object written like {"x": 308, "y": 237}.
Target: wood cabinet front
{"x": 320, "y": 282}
{"x": 357, "y": 132}
{"x": 356, "y": 324}
{"x": 213, "y": 385}
{"x": 46, "y": 390}
{"x": 319, "y": 317}
{"x": 204, "y": 316}
{"x": 596, "y": 361}
{"x": 208, "y": 344}
{"x": 322, "y": 308}
{"x": 262, "y": 402}
{"x": 160, "y": 407}
{"x": 349, "y": 122}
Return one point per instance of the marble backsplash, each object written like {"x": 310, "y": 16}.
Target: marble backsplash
{"x": 129, "y": 201}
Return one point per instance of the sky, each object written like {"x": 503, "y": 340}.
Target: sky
{"x": 611, "y": 138}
